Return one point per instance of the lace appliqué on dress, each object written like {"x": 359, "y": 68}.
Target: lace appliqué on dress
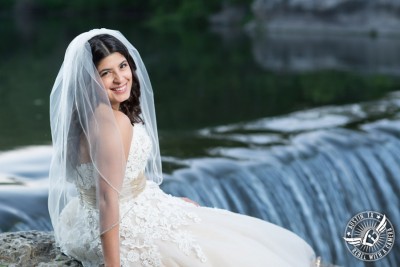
{"x": 157, "y": 217}
{"x": 139, "y": 152}
{"x": 85, "y": 176}
{"x": 146, "y": 220}
{"x": 138, "y": 155}
{"x": 80, "y": 234}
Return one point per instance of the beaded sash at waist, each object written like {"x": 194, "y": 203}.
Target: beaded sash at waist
{"x": 130, "y": 190}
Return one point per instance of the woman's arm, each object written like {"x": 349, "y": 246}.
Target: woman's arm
{"x": 190, "y": 201}
{"x": 110, "y": 239}
{"x": 110, "y": 188}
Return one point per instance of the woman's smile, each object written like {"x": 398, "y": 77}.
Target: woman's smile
{"x": 120, "y": 89}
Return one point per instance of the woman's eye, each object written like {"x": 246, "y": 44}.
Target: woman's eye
{"x": 104, "y": 73}
{"x": 123, "y": 65}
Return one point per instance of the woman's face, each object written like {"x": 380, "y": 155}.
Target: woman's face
{"x": 116, "y": 75}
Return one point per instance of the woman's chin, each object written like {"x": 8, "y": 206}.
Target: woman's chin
{"x": 120, "y": 98}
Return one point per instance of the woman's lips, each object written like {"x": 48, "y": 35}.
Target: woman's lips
{"x": 120, "y": 89}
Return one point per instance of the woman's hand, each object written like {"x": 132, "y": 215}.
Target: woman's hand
{"x": 190, "y": 201}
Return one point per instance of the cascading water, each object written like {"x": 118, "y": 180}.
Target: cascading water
{"x": 313, "y": 186}
{"x": 305, "y": 172}
{"x": 309, "y": 171}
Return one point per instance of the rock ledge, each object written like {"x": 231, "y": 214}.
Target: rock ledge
{"x": 32, "y": 248}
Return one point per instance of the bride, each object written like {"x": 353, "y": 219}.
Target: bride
{"x": 105, "y": 202}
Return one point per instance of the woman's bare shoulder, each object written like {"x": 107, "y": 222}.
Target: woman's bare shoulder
{"x": 125, "y": 128}
{"x": 122, "y": 120}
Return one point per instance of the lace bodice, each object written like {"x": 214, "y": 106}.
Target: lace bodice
{"x": 145, "y": 218}
{"x": 138, "y": 155}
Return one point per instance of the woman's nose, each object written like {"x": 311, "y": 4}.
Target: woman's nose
{"x": 117, "y": 77}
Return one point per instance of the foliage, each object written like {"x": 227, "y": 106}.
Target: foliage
{"x": 153, "y": 13}
{"x": 180, "y": 12}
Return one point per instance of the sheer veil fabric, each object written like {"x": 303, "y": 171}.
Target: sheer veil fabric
{"x": 82, "y": 123}
{"x": 155, "y": 228}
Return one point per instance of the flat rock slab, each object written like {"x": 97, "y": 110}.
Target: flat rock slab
{"x": 32, "y": 248}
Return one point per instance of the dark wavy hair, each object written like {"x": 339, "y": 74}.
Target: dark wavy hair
{"x": 102, "y": 46}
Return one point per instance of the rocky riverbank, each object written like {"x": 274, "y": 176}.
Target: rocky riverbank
{"x": 32, "y": 248}
{"x": 339, "y": 17}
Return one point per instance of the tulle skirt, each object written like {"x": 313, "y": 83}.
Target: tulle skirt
{"x": 157, "y": 229}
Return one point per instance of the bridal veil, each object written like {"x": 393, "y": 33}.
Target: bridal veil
{"x": 82, "y": 119}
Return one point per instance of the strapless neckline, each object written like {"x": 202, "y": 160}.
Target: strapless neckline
{"x": 138, "y": 156}
{"x": 90, "y": 164}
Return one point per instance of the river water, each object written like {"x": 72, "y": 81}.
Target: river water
{"x": 306, "y": 146}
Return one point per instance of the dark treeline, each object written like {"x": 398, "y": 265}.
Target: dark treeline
{"x": 151, "y": 12}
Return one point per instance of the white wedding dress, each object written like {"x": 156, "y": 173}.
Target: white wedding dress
{"x": 157, "y": 229}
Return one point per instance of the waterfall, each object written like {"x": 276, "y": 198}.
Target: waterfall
{"x": 312, "y": 186}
